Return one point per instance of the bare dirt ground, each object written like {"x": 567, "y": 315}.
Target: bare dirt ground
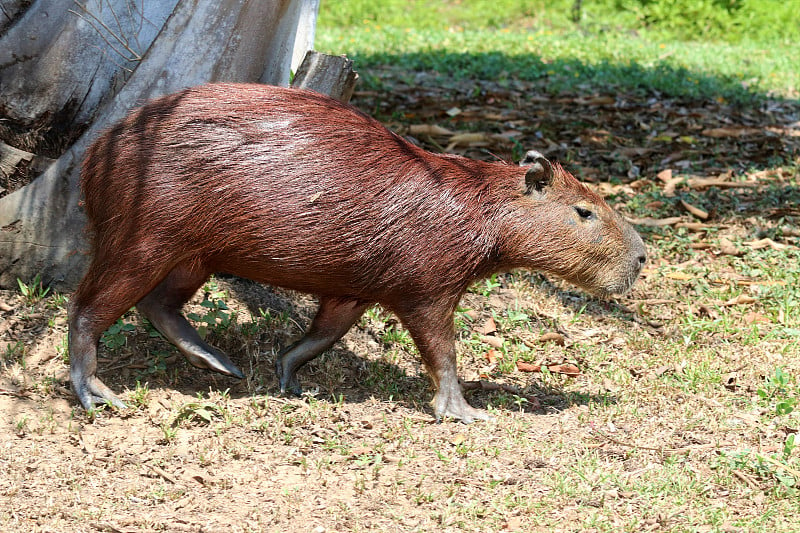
{"x": 624, "y": 432}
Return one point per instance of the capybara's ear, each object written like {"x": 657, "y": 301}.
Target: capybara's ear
{"x": 539, "y": 174}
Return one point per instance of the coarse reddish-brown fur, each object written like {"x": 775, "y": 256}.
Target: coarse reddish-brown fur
{"x": 294, "y": 189}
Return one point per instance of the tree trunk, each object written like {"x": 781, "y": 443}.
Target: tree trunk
{"x": 100, "y": 59}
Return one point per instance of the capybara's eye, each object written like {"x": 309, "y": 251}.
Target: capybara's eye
{"x": 584, "y": 213}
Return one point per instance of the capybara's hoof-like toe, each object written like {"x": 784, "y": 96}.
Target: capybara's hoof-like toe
{"x": 289, "y": 383}
{"x": 453, "y": 405}
{"x": 465, "y": 416}
{"x": 292, "y": 388}
{"x": 212, "y": 359}
{"x": 92, "y": 392}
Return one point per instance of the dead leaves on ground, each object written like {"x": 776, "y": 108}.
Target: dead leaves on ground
{"x": 623, "y": 136}
{"x": 568, "y": 370}
{"x": 487, "y": 334}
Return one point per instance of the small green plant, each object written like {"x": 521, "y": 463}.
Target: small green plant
{"x": 62, "y": 349}
{"x": 157, "y": 364}
{"x": 34, "y": 291}
{"x": 202, "y": 411}
{"x": 486, "y": 286}
{"x": 779, "y": 388}
{"x": 777, "y": 467}
{"x": 141, "y": 395}
{"x": 516, "y": 316}
{"x": 114, "y": 337}
{"x": 57, "y": 301}
{"x": 170, "y": 432}
{"x": 21, "y": 425}
{"x": 14, "y": 352}
{"x": 396, "y": 335}
{"x": 216, "y": 314}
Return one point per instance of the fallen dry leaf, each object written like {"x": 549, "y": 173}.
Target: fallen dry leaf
{"x": 356, "y": 451}
{"x": 467, "y": 139}
{"x": 660, "y": 371}
{"x": 665, "y": 175}
{"x": 522, "y": 366}
{"x": 696, "y": 226}
{"x": 742, "y": 299}
{"x": 429, "y": 129}
{"x": 755, "y": 318}
{"x": 491, "y": 340}
{"x": 513, "y": 524}
{"x": 694, "y": 210}
{"x": 654, "y": 222}
{"x": 487, "y": 328}
{"x": 669, "y": 187}
{"x": 726, "y": 247}
{"x": 705, "y": 310}
{"x": 705, "y": 183}
{"x": 680, "y": 276}
{"x": 493, "y": 355}
{"x": 552, "y": 336}
{"x": 566, "y": 369}
{"x": 766, "y": 243}
{"x": 730, "y": 132}
{"x": 459, "y": 438}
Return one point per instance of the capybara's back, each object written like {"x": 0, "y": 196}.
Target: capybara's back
{"x": 294, "y": 189}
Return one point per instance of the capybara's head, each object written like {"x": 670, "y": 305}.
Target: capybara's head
{"x": 574, "y": 233}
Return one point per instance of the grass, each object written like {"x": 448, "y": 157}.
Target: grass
{"x": 614, "y": 51}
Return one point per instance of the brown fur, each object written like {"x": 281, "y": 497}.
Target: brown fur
{"x": 294, "y": 189}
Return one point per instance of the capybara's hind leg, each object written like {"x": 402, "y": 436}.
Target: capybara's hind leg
{"x": 87, "y": 386}
{"x": 334, "y": 317}
{"x": 98, "y": 302}
{"x": 162, "y": 307}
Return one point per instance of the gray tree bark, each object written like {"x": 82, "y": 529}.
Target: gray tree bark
{"x": 68, "y": 67}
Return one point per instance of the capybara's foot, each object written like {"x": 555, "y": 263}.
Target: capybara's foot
{"x": 450, "y": 403}
{"x": 287, "y": 378}
{"x": 92, "y": 392}
{"x": 202, "y": 355}
{"x": 174, "y": 326}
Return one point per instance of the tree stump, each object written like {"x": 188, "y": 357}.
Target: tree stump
{"x": 327, "y": 74}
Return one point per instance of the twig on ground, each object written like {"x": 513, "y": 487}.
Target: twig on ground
{"x": 491, "y": 386}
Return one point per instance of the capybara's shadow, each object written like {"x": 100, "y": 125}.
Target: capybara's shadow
{"x": 339, "y": 374}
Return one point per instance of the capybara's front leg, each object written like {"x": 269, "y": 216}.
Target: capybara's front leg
{"x": 434, "y": 335}
{"x": 333, "y": 319}
{"x": 162, "y": 308}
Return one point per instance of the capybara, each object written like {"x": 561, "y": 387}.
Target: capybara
{"x": 294, "y": 189}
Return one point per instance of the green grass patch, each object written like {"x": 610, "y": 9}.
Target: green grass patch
{"x": 618, "y": 50}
